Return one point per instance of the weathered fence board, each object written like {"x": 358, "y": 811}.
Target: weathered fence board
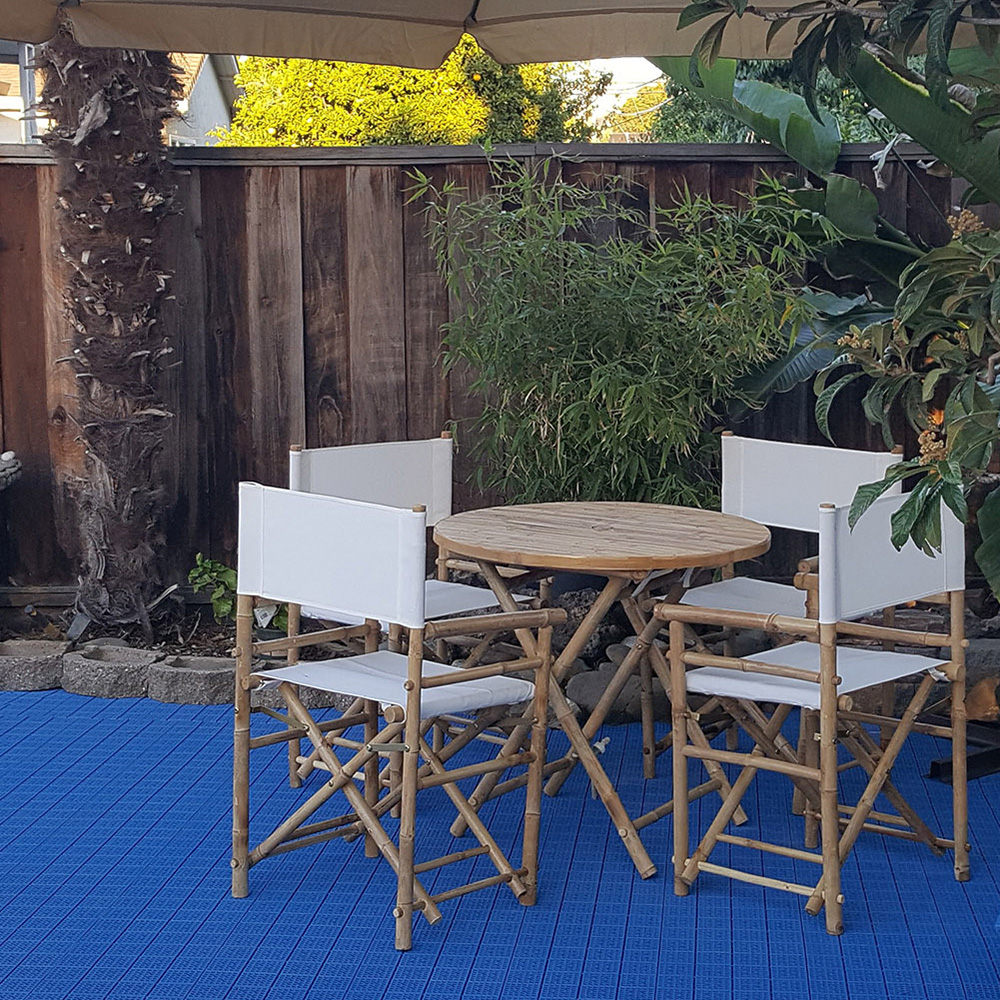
{"x": 307, "y": 309}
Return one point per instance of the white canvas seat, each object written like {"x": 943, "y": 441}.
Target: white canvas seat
{"x": 288, "y": 542}
{"x": 860, "y": 572}
{"x": 398, "y": 474}
{"x": 782, "y": 485}
{"x": 380, "y": 677}
{"x": 857, "y": 668}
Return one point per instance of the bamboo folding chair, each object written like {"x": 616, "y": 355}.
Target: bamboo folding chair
{"x": 859, "y": 572}
{"x": 399, "y": 474}
{"x": 782, "y": 485}
{"x": 288, "y": 543}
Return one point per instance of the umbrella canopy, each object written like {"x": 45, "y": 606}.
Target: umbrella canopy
{"x": 417, "y": 33}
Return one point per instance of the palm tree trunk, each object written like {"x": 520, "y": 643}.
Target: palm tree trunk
{"x": 107, "y": 108}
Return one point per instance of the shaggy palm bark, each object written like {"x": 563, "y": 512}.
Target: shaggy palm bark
{"x": 107, "y": 108}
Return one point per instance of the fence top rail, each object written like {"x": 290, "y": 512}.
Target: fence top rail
{"x": 636, "y": 152}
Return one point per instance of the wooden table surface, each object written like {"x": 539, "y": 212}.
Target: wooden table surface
{"x": 602, "y": 536}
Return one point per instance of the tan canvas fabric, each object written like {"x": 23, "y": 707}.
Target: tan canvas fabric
{"x": 401, "y": 32}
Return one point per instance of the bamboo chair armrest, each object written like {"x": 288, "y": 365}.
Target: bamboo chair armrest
{"x": 310, "y": 638}
{"x": 541, "y": 618}
{"x": 748, "y": 666}
{"x": 886, "y": 632}
{"x": 809, "y": 565}
{"x": 478, "y": 673}
{"x": 736, "y": 619}
{"x": 806, "y": 580}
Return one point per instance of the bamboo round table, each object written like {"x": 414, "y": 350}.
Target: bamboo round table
{"x": 626, "y": 543}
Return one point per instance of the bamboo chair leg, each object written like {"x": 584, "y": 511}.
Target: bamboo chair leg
{"x": 732, "y": 732}
{"x": 798, "y": 798}
{"x": 810, "y": 759}
{"x": 241, "y": 750}
{"x": 646, "y": 711}
{"x": 713, "y": 768}
{"x": 371, "y": 708}
{"x": 408, "y": 805}
{"x": 294, "y": 746}
{"x": 959, "y": 722}
{"x": 536, "y": 770}
{"x": 829, "y": 818}
{"x": 395, "y": 645}
{"x": 679, "y": 764}
{"x": 371, "y": 771}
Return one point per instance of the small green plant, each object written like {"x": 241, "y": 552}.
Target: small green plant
{"x": 604, "y": 348}
{"x": 220, "y": 580}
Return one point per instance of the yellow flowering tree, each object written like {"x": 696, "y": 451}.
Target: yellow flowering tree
{"x": 469, "y": 99}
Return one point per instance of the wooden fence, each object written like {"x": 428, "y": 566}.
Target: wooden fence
{"x": 307, "y": 309}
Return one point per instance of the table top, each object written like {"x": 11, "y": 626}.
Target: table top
{"x": 602, "y": 536}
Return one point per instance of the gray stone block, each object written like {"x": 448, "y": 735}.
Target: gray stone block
{"x": 311, "y": 698}
{"x": 193, "y": 680}
{"x": 31, "y": 664}
{"x": 108, "y": 671}
{"x": 982, "y": 659}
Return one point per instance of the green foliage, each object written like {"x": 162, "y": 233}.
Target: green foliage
{"x": 936, "y": 363}
{"x": 220, "y": 581}
{"x": 773, "y": 114}
{"x": 469, "y": 99}
{"x": 830, "y": 34}
{"x": 603, "y": 350}
{"x": 690, "y": 115}
{"x": 948, "y": 130}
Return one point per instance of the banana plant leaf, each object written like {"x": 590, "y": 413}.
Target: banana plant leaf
{"x": 946, "y": 132}
{"x": 814, "y": 348}
{"x": 775, "y": 115}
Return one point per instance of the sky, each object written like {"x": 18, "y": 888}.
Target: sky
{"x": 630, "y": 76}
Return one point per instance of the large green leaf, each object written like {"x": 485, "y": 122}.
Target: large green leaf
{"x": 945, "y": 131}
{"x": 775, "y": 115}
{"x": 988, "y": 553}
{"x": 851, "y": 206}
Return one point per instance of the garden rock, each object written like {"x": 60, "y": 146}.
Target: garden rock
{"x": 310, "y": 697}
{"x": 31, "y": 664}
{"x": 586, "y": 690}
{"x": 108, "y": 671}
{"x": 193, "y": 680}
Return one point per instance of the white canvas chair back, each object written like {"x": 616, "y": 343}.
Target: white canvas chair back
{"x": 365, "y": 560}
{"x": 783, "y": 484}
{"x": 397, "y": 473}
{"x": 860, "y": 571}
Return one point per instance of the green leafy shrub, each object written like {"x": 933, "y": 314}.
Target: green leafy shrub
{"x": 603, "y": 349}
{"x": 220, "y": 581}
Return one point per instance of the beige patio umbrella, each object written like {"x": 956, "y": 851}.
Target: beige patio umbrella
{"x": 416, "y": 33}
